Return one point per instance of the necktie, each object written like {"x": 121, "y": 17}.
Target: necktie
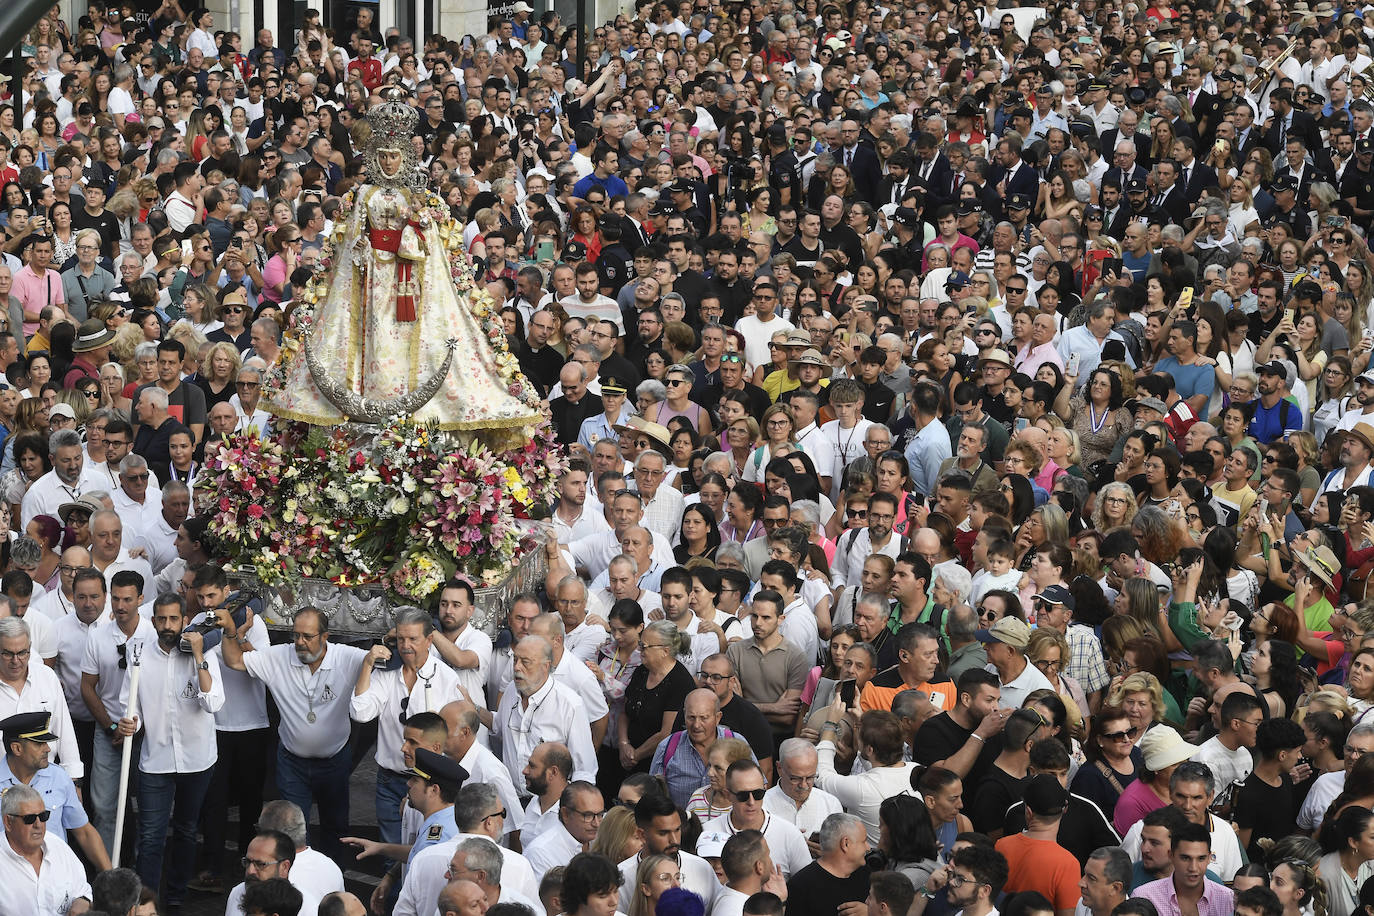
{"x": 1185, "y": 177}
{"x": 848, "y": 157}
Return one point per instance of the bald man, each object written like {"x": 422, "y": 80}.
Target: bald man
{"x": 464, "y": 746}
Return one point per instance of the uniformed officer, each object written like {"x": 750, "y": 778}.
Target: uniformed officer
{"x": 683, "y": 194}
{"x": 908, "y": 228}
{"x": 1141, "y": 210}
{"x": 26, "y": 762}
{"x": 613, "y": 265}
{"x": 1357, "y": 185}
{"x": 433, "y": 785}
{"x": 784, "y": 169}
{"x": 603, "y": 425}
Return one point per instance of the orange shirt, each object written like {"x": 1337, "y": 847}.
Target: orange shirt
{"x": 1041, "y": 865}
{"x": 883, "y": 689}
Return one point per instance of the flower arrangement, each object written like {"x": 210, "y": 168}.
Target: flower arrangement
{"x": 406, "y": 508}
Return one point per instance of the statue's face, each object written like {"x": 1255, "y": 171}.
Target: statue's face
{"x": 390, "y": 161}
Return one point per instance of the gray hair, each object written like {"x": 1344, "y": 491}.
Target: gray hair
{"x": 116, "y": 890}
{"x": 715, "y": 459}
{"x": 877, "y": 601}
{"x": 794, "y": 748}
{"x": 649, "y": 453}
{"x": 836, "y": 827}
{"x": 145, "y": 350}
{"x": 407, "y": 615}
{"x": 18, "y": 795}
{"x": 122, "y": 377}
{"x": 570, "y": 579}
{"x": 668, "y": 632}
{"x": 285, "y": 816}
{"x": 810, "y": 512}
{"x": 1363, "y": 730}
{"x": 1172, "y": 232}
{"x": 955, "y": 578}
{"x": 63, "y": 438}
{"x": 549, "y": 626}
{"x": 730, "y": 550}
{"x": 652, "y": 388}
{"x": 474, "y": 800}
{"x": 26, "y": 552}
{"x": 132, "y": 462}
{"x": 483, "y": 855}
{"x": 156, "y": 396}
{"x": 1192, "y": 771}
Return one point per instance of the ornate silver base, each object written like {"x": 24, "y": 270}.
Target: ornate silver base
{"x": 367, "y": 610}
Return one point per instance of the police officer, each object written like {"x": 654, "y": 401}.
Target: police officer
{"x": 784, "y": 170}
{"x": 613, "y": 266}
{"x": 907, "y": 226}
{"x": 683, "y": 194}
{"x": 432, "y": 788}
{"x": 28, "y": 737}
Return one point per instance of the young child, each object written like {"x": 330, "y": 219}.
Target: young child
{"x": 998, "y": 574}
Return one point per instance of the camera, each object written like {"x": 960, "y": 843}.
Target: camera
{"x": 204, "y": 624}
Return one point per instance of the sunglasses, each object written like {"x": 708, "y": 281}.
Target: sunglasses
{"x": 734, "y": 357}
{"x": 41, "y": 816}
{"x": 746, "y": 794}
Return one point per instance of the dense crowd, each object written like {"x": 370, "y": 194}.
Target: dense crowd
{"x": 969, "y": 510}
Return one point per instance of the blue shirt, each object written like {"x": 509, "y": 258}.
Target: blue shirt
{"x": 1137, "y": 266}
{"x": 611, "y": 184}
{"x": 1269, "y": 423}
{"x": 685, "y": 771}
{"x": 437, "y": 828}
{"x": 1188, "y": 380}
{"x": 927, "y": 449}
{"x": 59, "y": 797}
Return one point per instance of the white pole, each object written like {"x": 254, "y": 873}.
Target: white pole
{"x": 130, "y": 712}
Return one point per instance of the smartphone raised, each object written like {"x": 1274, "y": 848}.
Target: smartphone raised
{"x": 543, "y": 251}
{"x": 848, "y": 692}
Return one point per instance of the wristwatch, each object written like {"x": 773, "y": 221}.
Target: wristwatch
{"x": 114, "y": 727}
{"x": 204, "y": 665}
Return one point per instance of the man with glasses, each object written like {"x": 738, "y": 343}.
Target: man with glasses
{"x": 25, "y": 762}
{"x": 972, "y": 882}
{"x": 746, "y": 787}
{"x": 270, "y": 855}
{"x": 795, "y": 798}
{"x": 86, "y": 281}
{"x": 717, "y": 674}
{"x": 580, "y": 812}
{"x": 1358, "y": 743}
{"x": 33, "y": 851}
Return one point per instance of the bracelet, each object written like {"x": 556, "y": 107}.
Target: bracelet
{"x": 833, "y": 726}
{"x": 979, "y": 737}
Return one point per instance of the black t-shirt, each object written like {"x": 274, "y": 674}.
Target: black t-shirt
{"x": 1260, "y": 327}
{"x": 645, "y": 705}
{"x": 1268, "y": 811}
{"x": 996, "y": 791}
{"x": 844, "y": 239}
{"x": 1083, "y": 828}
{"x": 815, "y": 890}
{"x": 940, "y": 738}
{"x": 785, "y": 172}
{"x": 186, "y": 404}
{"x": 104, "y": 223}
{"x": 806, "y": 257}
{"x": 878, "y": 399}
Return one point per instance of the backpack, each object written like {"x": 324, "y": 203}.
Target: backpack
{"x": 675, "y": 740}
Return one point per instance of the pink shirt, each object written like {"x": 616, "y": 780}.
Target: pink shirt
{"x": 1217, "y": 899}
{"x": 34, "y": 292}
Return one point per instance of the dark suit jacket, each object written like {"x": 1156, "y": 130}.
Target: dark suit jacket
{"x": 1115, "y": 173}
{"x": 865, "y": 170}
{"x": 1025, "y": 181}
{"x": 1108, "y": 141}
{"x": 1175, "y": 203}
{"x": 937, "y": 182}
{"x": 1200, "y": 176}
{"x": 1303, "y": 126}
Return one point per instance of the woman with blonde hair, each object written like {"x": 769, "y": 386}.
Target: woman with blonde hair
{"x": 1141, "y": 695}
{"x": 654, "y": 875}
{"x": 711, "y": 800}
{"x": 1114, "y": 506}
{"x": 617, "y": 838}
{"x": 1050, "y": 653}
{"x": 219, "y": 371}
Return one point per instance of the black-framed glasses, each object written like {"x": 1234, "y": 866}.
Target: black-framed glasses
{"x": 587, "y": 816}
{"x": 501, "y": 814}
{"x": 712, "y": 678}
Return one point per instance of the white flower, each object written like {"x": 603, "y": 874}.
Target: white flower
{"x": 398, "y": 505}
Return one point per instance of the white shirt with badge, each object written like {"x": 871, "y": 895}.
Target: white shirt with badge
{"x": 245, "y": 697}
{"x": 315, "y": 721}
{"x": 177, "y": 717}
{"x": 436, "y": 684}
{"x": 59, "y": 882}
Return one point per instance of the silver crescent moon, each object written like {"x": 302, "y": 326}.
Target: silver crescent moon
{"x": 369, "y": 410}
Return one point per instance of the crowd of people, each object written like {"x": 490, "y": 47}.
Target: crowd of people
{"x": 969, "y": 505}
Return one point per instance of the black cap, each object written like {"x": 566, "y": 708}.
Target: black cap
{"x": 1136, "y": 96}
{"x": 1018, "y": 202}
{"x": 438, "y": 769}
{"x": 574, "y": 251}
{"x": 681, "y": 186}
{"x": 1281, "y": 183}
{"x": 778, "y": 133}
{"x": 1136, "y": 184}
{"x": 32, "y": 726}
{"x": 905, "y": 216}
{"x": 661, "y": 206}
{"x": 1045, "y": 797}
{"x": 1080, "y": 128}
{"x": 1363, "y": 145}
{"x": 969, "y": 207}
{"x": 1226, "y": 76}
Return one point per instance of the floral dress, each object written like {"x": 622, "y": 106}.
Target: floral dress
{"x": 617, "y": 679}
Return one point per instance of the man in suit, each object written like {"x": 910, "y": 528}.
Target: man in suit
{"x": 1124, "y": 168}
{"x": 1289, "y": 122}
{"x": 1170, "y": 196}
{"x": 1011, "y": 176}
{"x": 1248, "y": 133}
{"x": 897, "y": 179}
{"x": 861, "y": 161}
{"x": 1126, "y": 124}
{"x": 1205, "y": 106}
{"x": 1300, "y": 170}
{"x": 1193, "y": 175}
{"x": 931, "y": 168}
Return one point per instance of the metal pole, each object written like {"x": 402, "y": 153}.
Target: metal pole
{"x": 583, "y": 30}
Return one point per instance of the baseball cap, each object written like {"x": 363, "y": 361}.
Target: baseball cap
{"x": 1010, "y": 631}
{"x": 1044, "y": 795}
{"x": 1057, "y": 594}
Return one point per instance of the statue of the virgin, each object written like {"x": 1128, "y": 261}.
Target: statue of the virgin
{"x": 390, "y": 334}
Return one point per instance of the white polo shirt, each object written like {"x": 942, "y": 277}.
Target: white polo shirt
{"x": 327, "y": 692}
